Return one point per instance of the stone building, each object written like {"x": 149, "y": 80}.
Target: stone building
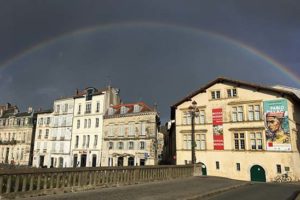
{"x": 242, "y": 131}
{"x": 16, "y": 135}
{"x": 89, "y": 107}
{"x": 130, "y": 135}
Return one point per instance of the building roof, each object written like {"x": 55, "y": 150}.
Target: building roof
{"x": 282, "y": 92}
{"x": 130, "y": 106}
{"x": 84, "y": 92}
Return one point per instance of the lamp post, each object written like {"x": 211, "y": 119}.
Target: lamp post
{"x": 194, "y": 111}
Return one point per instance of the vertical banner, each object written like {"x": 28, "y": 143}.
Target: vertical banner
{"x": 277, "y": 125}
{"x": 217, "y": 116}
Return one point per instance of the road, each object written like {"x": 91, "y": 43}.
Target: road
{"x": 185, "y": 189}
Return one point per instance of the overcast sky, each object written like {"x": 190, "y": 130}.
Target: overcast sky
{"x": 154, "y": 51}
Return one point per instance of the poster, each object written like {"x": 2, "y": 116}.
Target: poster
{"x": 277, "y": 125}
{"x": 217, "y": 116}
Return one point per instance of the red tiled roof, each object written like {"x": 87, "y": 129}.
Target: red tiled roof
{"x": 130, "y": 106}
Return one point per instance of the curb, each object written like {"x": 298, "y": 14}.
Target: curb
{"x": 217, "y": 191}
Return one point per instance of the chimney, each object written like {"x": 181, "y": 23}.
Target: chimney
{"x": 30, "y": 109}
{"x": 77, "y": 91}
{"x": 8, "y": 105}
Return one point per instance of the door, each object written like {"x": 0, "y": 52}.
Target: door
{"x": 142, "y": 162}
{"x": 83, "y": 160}
{"x": 131, "y": 161}
{"x": 52, "y": 163}
{"x": 258, "y": 173}
{"x": 6, "y": 155}
{"x": 94, "y": 161}
{"x": 75, "y": 160}
{"x": 120, "y": 161}
{"x": 42, "y": 158}
{"x": 203, "y": 169}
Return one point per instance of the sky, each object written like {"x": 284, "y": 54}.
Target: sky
{"x": 153, "y": 51}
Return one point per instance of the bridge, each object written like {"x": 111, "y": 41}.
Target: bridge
{"x": 149, "y": 182}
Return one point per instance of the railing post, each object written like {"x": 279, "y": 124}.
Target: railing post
{"x": 8, "y": 184}
{"x": 45, "y": 181}
{"x": 31, "y": 182}
{"x": 16, "y": 189}
{"x": 24, "y": 183}
{"x": 38, "y": 187}
{"x": 69, "y": 179}
{"x": 1, "y": 184}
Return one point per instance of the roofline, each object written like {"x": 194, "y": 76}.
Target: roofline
{"x": 238, "y": 83}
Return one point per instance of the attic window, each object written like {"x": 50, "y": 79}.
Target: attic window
{"x": 89, "y": 94}
{"x": 110, "y": 111}
{"x": 123, "y": 110}
{"x": 136, "y": 108}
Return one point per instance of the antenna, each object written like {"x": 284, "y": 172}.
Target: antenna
{"x": 108, "y": 80}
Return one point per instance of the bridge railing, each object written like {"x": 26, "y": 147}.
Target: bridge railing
{"x": 36, "y": 181}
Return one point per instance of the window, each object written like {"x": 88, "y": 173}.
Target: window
{"x": 85, "y": 123}
{"x": 216, "y": 94}
{"x": 238, "y": 167}
{"x": 239, "y": 141}
{"x": 136, "y": 108}
{"x": 278, "y": 167}
{"x": 61, "y": 149}
{"x": 97, "y": 122}
{"x": 88, "y": 107}
{"x": 41, "y": 121}
{"x": 131, "y": 129}
{"x": 40, "y": 134}
{"x": 77, "y": 141}
{"x": 186, "y": 119}
{"x": 57, "y": 108}
{"x": 231, "y": 93}
{"x": 47, "y": 134}
{"x": 202, "y": 116}
{"x": 217, "y": 165}
{"x": 95, "y": 140}
{"x": 237, "y": 114}
{"x": 253, "y": 112}
{"x": 123, "y": 110}
{"x": 142, "y": 145}
{"x": 143, "y": 128}
{"x": 83, "y": 142}
{"x": 130, "y": 145}
{"x": 98, "y": 107}
{"x": 200, "y": 141}
{"x": 78, "y": 124}
{"x": 89, "y": 123}
{"x": 120, "y": 145}
{"x": 79, "y": 109}
{"x": 88, "y": 141}
{"x": 121, "y": 130}
{"x": 110, "y": 145}
{"x": 256, "y": 141}
{"x": 48, "y": 120}
{"x": 187, "y": 140}
{"x": 66, "y": 108}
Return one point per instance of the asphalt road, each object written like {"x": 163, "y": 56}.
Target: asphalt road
{"x": 192, "y": 188}
{"x": 257, "y": 191}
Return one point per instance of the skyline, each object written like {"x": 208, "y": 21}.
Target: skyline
{"x": 147, "y": 49}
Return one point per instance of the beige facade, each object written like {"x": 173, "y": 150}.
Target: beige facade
{"x": 16, "y": 132}
{"x": 239, "y": 145}
{"x": 130, "y": 135}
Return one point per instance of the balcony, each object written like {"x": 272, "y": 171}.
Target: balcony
{"x": 11, "y": 142}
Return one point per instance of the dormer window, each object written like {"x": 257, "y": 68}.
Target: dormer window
{"x": 110, "y": 111}
{"x": 136, "y": 108}
{"x": 89, "y": 94}
{"x": 231, "y": 92}
{"x": 216, "y": 94}
{"x": 123, "y": 110}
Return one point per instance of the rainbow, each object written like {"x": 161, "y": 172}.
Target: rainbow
{"x": 284, "y": 69}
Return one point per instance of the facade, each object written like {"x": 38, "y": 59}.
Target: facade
{"x": 53, "y": 135}
{"x": 16, "y": 135}
{"x": 43, "y": 140}
{"x": 89, "y": 108}
{"x": 130, "y": 135}
{"x": 242, "y": 131}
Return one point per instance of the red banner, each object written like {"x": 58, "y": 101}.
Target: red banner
{"x": 217, "y": 116}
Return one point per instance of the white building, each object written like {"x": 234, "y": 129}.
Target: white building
{"x": 87, "y": 136}
{"x": 53, "y": 135}
{"x": 42, "y": 141}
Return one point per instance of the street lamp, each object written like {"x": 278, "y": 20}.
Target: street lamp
{"x": 194, "y": 111}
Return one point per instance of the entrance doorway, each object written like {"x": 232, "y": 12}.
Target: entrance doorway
{"x": 120, "y": 161}
{"x": 83, "y": 160}
{"x": 61, "y": 162}
{"x": 75, "y": 160}
{"x": 142, "y": 162}
{"x": 6, "y": 155}
{"x": 94, "y": 161}
{"x": 203, "y": 169}
{"x": 42, "y": 158}
{"x": 258, "y": 173}
{"x": 131, "y": 161}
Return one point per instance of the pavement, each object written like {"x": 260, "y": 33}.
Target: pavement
{"x": 192, "y": 188}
